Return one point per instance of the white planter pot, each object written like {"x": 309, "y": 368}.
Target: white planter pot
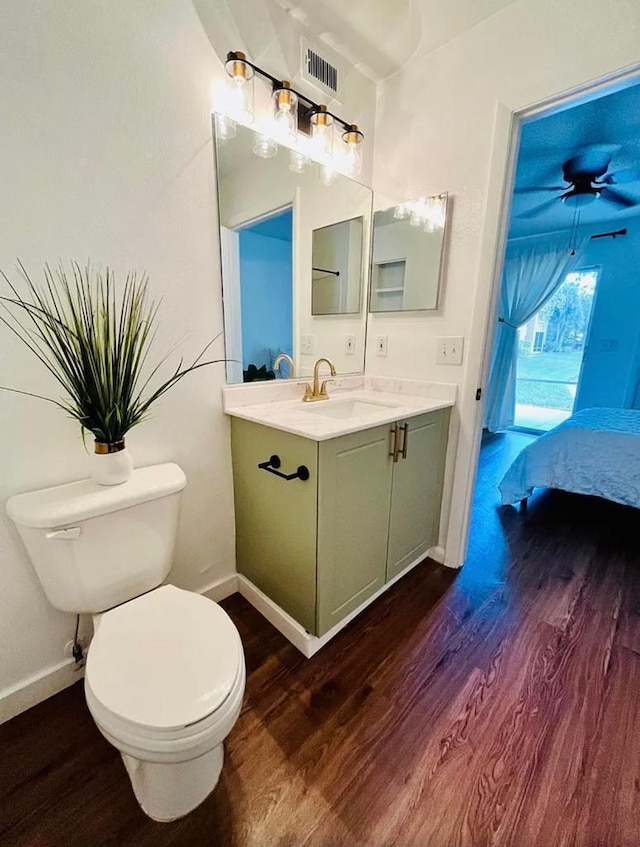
{"x": 111, "y": 464}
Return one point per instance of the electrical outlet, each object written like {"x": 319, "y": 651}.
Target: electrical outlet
{"x": 381, "y": 345}
{"x": 449, "y": 350}
{"x": 349, "y": 344}
{"x": 306, "y": 345}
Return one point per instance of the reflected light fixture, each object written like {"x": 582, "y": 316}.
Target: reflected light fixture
{"x": 425, "y": 212}
{"x": 296, "y": 122}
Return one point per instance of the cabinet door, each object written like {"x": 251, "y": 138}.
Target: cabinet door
{"x": 354, "y": 494}
{"x": 417, "y": 489}
{"x": 276, "y": 520}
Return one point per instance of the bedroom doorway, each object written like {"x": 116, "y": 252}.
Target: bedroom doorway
{"x": 551, "y": 348}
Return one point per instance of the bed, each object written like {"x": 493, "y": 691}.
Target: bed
{"x": 595, "y": 451}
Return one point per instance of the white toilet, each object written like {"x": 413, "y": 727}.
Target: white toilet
{"x": 165, "y": 672}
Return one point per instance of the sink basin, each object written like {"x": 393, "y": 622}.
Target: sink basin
{"x": 345, "y": 409}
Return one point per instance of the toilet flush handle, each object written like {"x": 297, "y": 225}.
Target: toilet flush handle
{"x": 72, "y": 533}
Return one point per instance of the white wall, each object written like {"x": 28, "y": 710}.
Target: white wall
{"x": 106, "y": 154}
{"x": 442, "y": 124}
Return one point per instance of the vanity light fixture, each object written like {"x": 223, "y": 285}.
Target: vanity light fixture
{"x": 297, "y": 122}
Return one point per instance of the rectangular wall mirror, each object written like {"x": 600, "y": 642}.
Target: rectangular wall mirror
{"x": 295, "y": 258}
{"x": 407, "y": 256}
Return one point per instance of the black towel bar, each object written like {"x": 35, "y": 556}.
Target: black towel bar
{"x": 274, "y": 463}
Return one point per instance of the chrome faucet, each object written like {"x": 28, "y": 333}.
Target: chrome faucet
{"x": 284, "y": 357}
{"x": 318, "y": 392}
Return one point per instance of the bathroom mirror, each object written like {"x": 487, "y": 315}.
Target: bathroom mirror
{"x": 336, "y": 256}
{"x": 276, "y": 226}
{"x": 407, "y": 255}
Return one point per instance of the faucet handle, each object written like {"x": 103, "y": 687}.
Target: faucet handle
{"x": 323, "y": 387}
{"x": 308, "y": 393}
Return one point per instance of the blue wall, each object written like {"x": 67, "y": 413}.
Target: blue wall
{"x": 266, "y": 291}
{"x": 611, "y": 368}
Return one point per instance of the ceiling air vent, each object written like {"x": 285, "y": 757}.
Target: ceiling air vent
{"x": 319, "y": 70}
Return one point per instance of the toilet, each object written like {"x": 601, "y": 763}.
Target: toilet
{"x": 165, "y": 673}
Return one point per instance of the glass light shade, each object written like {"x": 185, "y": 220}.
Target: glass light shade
{"x": 264, "y": 145}
{"x": 322, "y": 135}
{"x": 285, "y": 114}
{"x": 352, "y": 150}
{"x": 237, "y": 101}
{"x": 401, "y": 212}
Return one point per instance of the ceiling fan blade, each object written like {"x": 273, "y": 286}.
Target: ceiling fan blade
{"x": 623, "y": 176}
{"x": 618, "y": 199}
{"x": 535, "y": 188}
{"x": 537, "y": 210}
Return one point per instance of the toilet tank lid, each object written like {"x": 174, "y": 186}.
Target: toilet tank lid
{"x": 78, "y": 501}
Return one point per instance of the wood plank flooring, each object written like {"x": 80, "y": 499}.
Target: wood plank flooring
{"x": 496, "y": 706}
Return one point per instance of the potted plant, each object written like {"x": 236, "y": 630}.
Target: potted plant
{"x": 95, "y": 342}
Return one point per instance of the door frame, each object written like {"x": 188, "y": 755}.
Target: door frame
{"x": 505, "y": 149}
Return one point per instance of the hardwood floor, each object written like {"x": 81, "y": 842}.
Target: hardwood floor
{"x": 496, "y": 706}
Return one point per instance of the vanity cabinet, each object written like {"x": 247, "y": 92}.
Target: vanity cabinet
{"x": 319, "y": 548}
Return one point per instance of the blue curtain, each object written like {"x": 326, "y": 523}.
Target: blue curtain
{"x": 533, "y": 269}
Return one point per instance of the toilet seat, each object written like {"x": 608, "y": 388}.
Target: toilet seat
{"x": 165, "y": 672}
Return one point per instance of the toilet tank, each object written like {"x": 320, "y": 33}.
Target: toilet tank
{"x": 93, "y": 546}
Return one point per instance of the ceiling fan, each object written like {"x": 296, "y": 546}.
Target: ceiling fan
{"x": 587, "y": 179}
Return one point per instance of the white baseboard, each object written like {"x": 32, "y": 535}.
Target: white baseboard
{"x": 221, "y": 588}
{"x": 49, "y": 681}
{"x": 293, "y": 631}
{"x": 38, "y": 687}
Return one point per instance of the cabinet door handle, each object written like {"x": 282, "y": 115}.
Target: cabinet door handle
{"x": 405, "y": 440}
{"x": 396, "y": 442}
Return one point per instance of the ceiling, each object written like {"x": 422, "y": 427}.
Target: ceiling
{"x": 378, "y": 37}
{"x": 612, "y": 119}
{"x": 382, "y": 36}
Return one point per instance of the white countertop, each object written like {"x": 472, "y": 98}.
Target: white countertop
{"x": 281, "y": 406}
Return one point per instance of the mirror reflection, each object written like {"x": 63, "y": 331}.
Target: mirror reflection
{"x": 407, "y": 257}
{"x": 337, "y": 268}
{"x": 295, "y": 253}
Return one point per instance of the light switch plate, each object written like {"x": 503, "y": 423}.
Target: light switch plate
{"x": 349, "y": 344}
{"x": 449, "y": 350}
{"x": 381, "y": 345}
{"x": 306, "y": 345}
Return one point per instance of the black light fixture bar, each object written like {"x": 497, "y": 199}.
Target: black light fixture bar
{"x": 235, "y": 55}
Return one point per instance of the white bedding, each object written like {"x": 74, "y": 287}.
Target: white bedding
{"x": 595, "y": 451}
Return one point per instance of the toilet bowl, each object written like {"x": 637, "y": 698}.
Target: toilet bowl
{"x": 165, "y": 671}
{"x": 164, "y": 683}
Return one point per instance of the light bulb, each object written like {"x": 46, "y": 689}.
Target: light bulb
{"x": 264, "y": 146}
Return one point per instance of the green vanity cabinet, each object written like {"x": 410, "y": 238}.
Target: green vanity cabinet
{"x": 354, "y": 496}
{"x": 418, "y": 477}
{"x": 276, "y": 520}
{"x": 319, "y": 548}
